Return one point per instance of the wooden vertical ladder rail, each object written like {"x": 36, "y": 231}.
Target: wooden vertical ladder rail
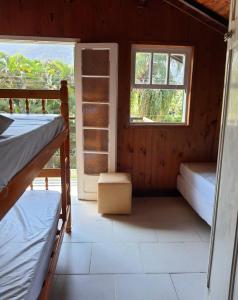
{"x": 65, "y": 159}
{"x": 65, "y": 187}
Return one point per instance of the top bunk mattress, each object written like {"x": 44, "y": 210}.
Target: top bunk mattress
{"x": 201, "y": 176}
{"x": 24, "y": 139}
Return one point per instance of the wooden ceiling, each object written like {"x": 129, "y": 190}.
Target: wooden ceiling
{"x": 213, "y": 13}
{"x": 221, "y": 7}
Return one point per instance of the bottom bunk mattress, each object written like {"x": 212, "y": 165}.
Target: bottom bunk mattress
{"x": 27, "y": 236}
{"x": 197, "y": 182}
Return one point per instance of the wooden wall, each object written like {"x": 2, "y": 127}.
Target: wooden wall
{"x": 151, "y": 154}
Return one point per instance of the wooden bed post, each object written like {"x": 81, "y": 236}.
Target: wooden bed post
{"x": 65, "y": 158}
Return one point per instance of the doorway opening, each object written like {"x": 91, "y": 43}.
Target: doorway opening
{"x": 36, "y": 64}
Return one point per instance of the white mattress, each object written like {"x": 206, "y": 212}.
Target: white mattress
{"x": 202, "y": 177}
{"x": 27, "y": 235}
{"x": 25, "y": 137}
{"x": 196, "y": 199}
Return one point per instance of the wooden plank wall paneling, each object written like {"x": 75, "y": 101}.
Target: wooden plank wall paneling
{"x": 151, "y": 154}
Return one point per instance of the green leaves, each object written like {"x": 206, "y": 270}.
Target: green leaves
{"x": 20, "y": 72}
{"x": 157, "y": 105}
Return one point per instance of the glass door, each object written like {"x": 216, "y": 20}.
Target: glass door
{"x": 96, "y": 114}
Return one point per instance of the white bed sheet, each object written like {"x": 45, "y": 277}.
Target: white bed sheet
{"x": 196, "y": 198}
{"x": 202, "y": 177}
{"x": 26, "y": 136}
{"x": 27, "y": 235}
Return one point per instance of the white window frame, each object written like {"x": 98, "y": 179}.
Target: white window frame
{"x": 167, "y": 49}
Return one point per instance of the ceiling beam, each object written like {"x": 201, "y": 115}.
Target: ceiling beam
{"x": 208, "y": 11}
{"x": 201, "y": 13}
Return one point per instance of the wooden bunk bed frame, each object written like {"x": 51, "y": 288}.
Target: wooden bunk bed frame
{"x": 24, "y": 178}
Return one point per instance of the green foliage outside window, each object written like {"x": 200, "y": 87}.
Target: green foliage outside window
{"x": 164, "y": 104}
{"x": 20, "y": 72}
{"x": 157, "y": 105}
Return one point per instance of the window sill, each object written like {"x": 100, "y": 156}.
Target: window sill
{"x": 164, "y": 125}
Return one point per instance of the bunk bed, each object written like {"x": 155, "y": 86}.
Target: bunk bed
{"x": 32, "y": 223}
{"x": 197, "y": 183}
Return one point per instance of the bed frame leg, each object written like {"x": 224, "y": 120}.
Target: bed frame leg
{"x": 68, "y": 226}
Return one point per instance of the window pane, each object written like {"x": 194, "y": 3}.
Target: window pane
{"x": 154, "y": 105}
{"x": 142, "y": 68}
{"x": 176, "y": 70}
{"x": 160, "y": 66}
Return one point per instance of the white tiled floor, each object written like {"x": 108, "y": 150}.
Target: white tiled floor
{"x": 134, "y": 232}
{"x": 174, "y": 231}
{"x": 174, "y": 257}
{"x": 144, "y": 286}
{"x": 116, "y": 258}
{"x": 85, "y": 287}
{"x": 158, "y": 252}
{"x": 190, "y": 286}
{"x": 74, "y": 258}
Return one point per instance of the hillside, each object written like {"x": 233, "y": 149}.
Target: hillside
{"x": 39, "y": 51}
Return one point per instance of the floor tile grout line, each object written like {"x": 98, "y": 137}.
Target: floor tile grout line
{"x": 121, "y": 274}
{"x": 176, "y": 292}
{"x": 90, "y": 262}
{"x": 198, "y": 231}
{"x": 136, "y": 242}
{"x": 115, "y": 286}
{"x": 200, "y": 236}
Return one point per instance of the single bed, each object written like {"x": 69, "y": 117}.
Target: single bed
{"x": 196, "y": 182}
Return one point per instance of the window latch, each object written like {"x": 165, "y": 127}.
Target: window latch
{"x": 228, "y": 35}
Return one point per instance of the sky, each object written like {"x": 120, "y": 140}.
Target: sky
{"x": 42, "y": 51}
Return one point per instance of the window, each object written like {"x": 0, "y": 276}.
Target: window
{"x": 160, "y": 84}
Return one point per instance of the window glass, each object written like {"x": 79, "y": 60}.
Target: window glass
{"x": 142, "y": 68}
{"x": 176, "y": 69}
{"x": 157, "y": 105}
{"x": 160, "y": 84}
{"x": 160, "y": 66}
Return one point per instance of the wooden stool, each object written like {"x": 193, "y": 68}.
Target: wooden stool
{"x": 114, "y": 193}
